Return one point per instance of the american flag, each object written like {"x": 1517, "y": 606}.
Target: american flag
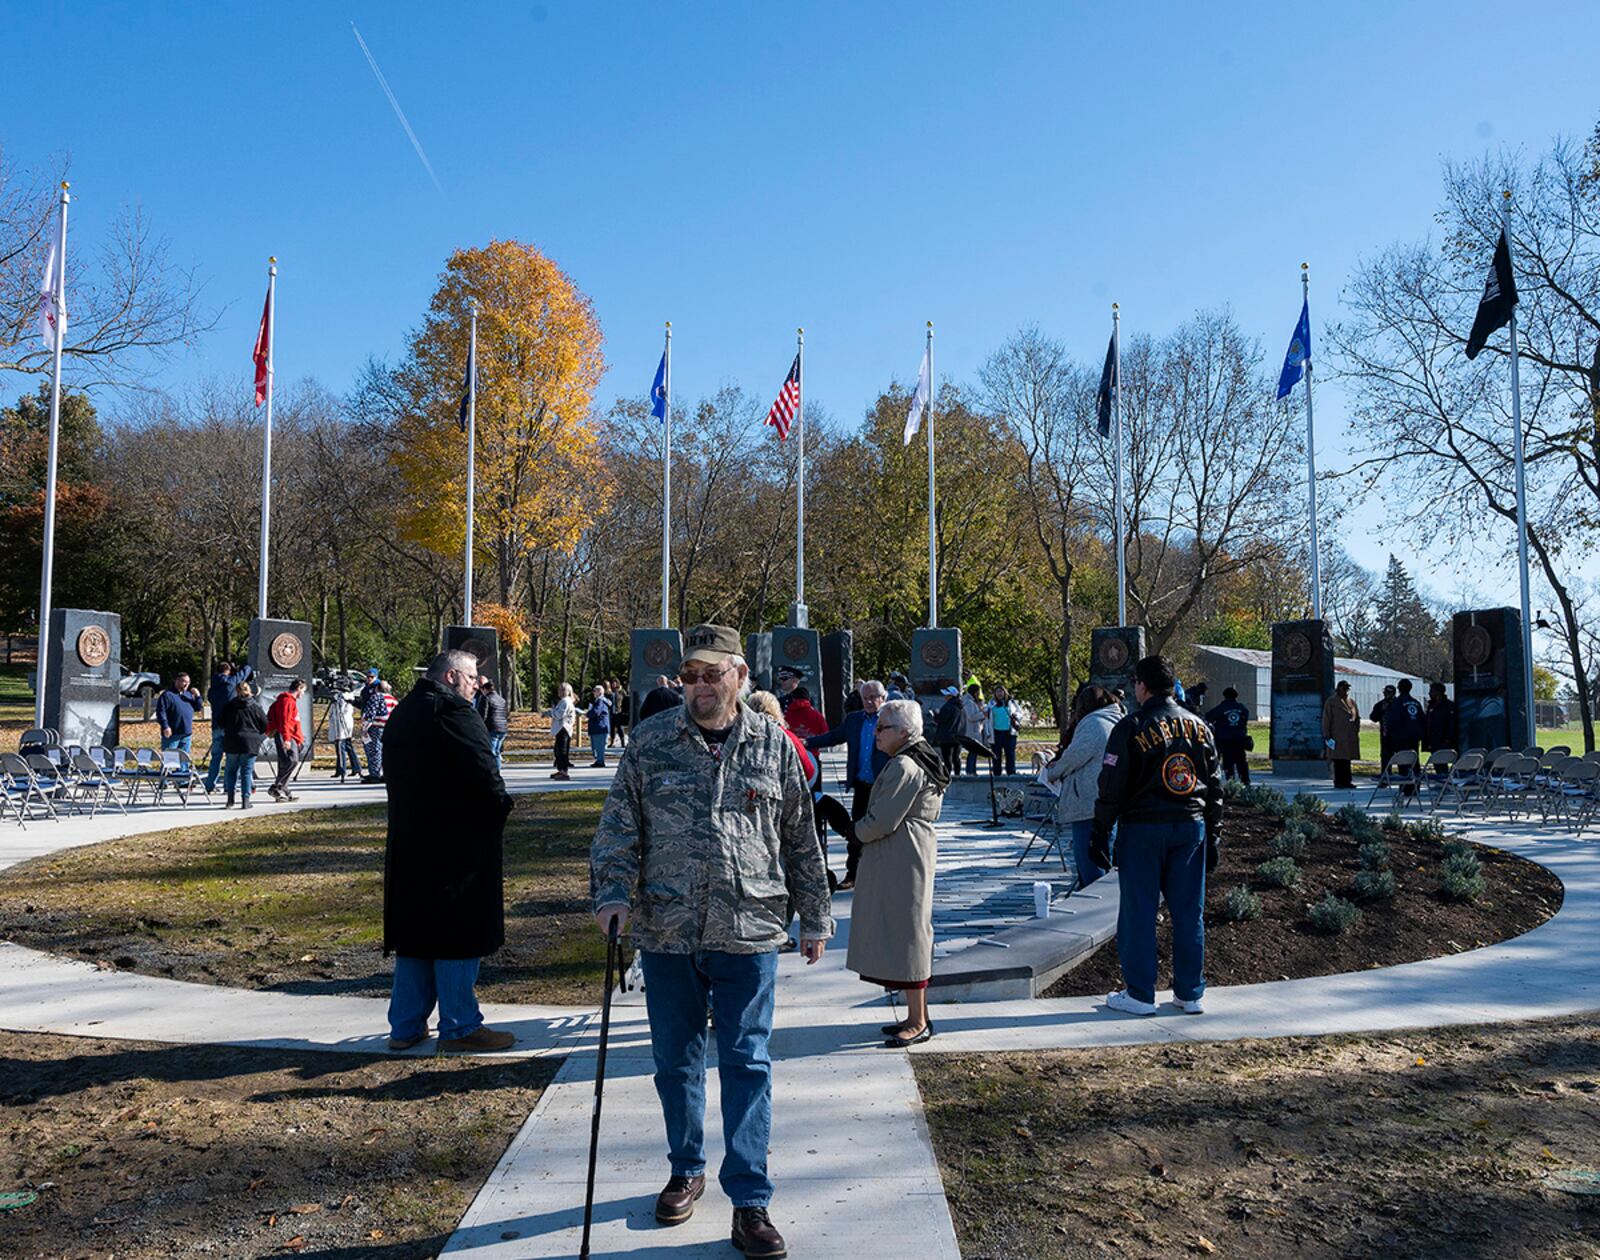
{"x": 782, "y": 414}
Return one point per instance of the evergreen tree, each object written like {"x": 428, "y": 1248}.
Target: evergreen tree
{"x": 1405, "y": 634}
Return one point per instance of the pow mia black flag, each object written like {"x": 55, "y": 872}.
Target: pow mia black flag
{"x": 1499, "y": 296}
{"x": 1109, "y": 384}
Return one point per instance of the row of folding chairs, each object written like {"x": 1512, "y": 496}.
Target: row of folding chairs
{"x": 1554, "y": 782}
{"x": 54, "y": 780}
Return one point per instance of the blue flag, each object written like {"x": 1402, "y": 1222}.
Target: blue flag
{"x": 658, "y": 391}
{"x": 1299, "y": 355}
{"x": 467, "y": 382}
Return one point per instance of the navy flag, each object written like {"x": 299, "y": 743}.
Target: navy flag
{"x": 1294, "y": 363}
{"x": 658, "y": 391}
{"x": 1499, "y": 296}
{"x": 467, "y": 383}
{"x": 1109, "y": 385}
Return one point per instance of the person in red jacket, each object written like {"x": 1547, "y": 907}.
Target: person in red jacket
{"x": 802, "y": 715}
{"x": 283, "y": 724}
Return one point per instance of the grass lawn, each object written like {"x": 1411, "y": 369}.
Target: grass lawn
{"x": 294, "y": 902}
{"x": 1432, "y": 1145}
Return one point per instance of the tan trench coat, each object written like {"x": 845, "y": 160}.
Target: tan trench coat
{"x": 891, "y": 921}
{"x": 1341, "y": 722}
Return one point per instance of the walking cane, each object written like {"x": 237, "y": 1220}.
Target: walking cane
{"x": 612, "y": 950}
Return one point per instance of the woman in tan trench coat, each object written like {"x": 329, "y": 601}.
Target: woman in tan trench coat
{"x": 1341, "y": 734}
{"x": 891, "y": 920}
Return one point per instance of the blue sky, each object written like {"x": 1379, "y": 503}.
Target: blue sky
{"x": 742, "y": 169}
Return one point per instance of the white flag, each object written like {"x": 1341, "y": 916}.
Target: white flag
{"x": 51, "y": 320}
{"x": 919, "y": 400}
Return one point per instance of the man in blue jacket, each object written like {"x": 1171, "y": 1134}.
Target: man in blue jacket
{"x": 175, "y": 710}
{"x": 224, "y": 684}
{"x": 863, "y": 761}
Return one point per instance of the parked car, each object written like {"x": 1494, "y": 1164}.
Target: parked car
{"x": 142, "y": 687}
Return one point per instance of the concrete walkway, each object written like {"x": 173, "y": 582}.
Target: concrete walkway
{"x": 851, "y": 1156}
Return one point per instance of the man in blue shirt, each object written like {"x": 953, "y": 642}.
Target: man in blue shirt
{"x": 863, "y": 761}
{"x": 224, "y": 683}
{"x": 175, "y": 710}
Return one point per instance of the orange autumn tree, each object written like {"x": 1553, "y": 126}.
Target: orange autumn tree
{"x": 538, "y": 464}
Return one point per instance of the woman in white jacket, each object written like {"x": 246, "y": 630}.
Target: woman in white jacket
{"x": 1077, "y": 772}
{"x": 563, "y": 717}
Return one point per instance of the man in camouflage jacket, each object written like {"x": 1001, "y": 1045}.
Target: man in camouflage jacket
{"x": 707, "y": 837}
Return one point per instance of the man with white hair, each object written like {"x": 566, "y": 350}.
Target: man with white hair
{"x": 707, "y": 839}
{"x": 863, "y": 759}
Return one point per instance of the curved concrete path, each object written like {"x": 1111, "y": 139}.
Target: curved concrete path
{"x": 851, "y": 1156}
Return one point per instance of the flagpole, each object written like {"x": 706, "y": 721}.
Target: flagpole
{"x": 800, "y": 484}
{"x": 1311, "y": 457}
{"x": 47, "y": 567}
{"x": 1522, "y": 498}
{"x": 933, "y": 544}
{"x": 666, "y": 490}
{"x": 472, "y": 457}
{"x": 1116, "y": 405}
{"x": 266, "y": 441}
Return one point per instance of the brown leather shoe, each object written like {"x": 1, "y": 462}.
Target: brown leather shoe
{"x": 753, "y": 1234}
{"x": 485, "y": 1038}
{"x": 397, "y": 1044}
{"x": 675, "y": 1204}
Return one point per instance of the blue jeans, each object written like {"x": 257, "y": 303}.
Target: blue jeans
{"x": 597, "y": 741}
{"x": 241, "y": 771}
{"x": 214, "y": 759}
{"x": 1005, "y": 750}
{"x": 1155, "y": 859}
{"x": 344, "y": 754}
{"x": 740, "y": 988}
{"x": 421, "y": 983}
{"x": 176, "y": 741}
{"x": 496, "y": 743}
{"x": 1082, "y": 833}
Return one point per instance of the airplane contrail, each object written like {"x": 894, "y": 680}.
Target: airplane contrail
{"x": 395, "y": 105}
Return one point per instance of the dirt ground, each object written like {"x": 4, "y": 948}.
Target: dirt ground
{"x": 1281, "y": 945}
{"x": 294, "y": 902}
{"x": 1442, "y": 1144}
{"x": 138, "y": 1150}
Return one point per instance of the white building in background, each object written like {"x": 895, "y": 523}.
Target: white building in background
{"x": 1249, "y": 670}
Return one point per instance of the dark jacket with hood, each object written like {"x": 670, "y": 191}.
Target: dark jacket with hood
{"x": 443, "y": 894}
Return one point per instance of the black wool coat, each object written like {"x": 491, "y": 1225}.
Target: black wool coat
{"x": 443, "y": 888}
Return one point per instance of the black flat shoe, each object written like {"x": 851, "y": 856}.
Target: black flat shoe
{"x": 890, "y": 1030}
{"x": 901, "y": 1043}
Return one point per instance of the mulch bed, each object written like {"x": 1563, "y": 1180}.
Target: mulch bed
{"x": 1282, "y": 944}
{"x": 137, "y": 1150}
{"x": 1438, "y": 1145}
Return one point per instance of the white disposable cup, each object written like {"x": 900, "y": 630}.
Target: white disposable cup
{"x": 1041, "y": 899}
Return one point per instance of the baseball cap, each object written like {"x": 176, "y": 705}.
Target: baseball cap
{"x": 372, "y": 672}
{"x": 951, "y": 691}
{"x": 711, "y": 644}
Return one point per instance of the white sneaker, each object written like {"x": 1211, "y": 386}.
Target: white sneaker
{"x": 1122, "y": 1001}
{"x": 1190, "y": 1007}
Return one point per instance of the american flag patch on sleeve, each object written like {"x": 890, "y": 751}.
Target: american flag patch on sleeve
{"x": 1110, "y": 760}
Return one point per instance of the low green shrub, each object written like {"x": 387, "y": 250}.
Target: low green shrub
{"x": 1374, "y": 885}
{"x": 1333, "y": 915}
{"x": 1458, "y": 885}
{"x": 1374, "y": 856}
{"x": 1460, "y": 850}
{"x": 1429, "y": 832}
{"x": 1306, "y": 825}
{"x": 1309, "y": 803}
{"x": 1393, "y": 822}
{"x": 1241, "y": 904}
{"x": 1351, "y": 816}
{"x": 1289, "y": 843}
{"x": 1279, "y": 872}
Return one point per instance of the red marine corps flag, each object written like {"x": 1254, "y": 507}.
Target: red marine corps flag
{"x": 782, "y": 414}
{"x": 263, "y": 351}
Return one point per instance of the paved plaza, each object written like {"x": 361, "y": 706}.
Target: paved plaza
{"x": 851, "y": 1155}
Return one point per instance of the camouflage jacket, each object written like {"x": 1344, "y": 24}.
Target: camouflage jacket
{"x": 711, "y": 853}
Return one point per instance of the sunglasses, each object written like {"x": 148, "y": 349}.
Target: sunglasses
{"x": 690, "y": 677}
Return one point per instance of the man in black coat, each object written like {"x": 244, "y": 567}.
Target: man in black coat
{"x": 443, "y": 898}
{"x": 1402, "y": 724}
{"x": 1230, "y": 723}
{"x": 1378, "y": 710}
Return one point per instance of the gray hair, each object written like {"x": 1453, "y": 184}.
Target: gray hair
{"x": 904, "y": 715}
{"x": 456, "y": 659}
{"x": 872, "y": 687}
